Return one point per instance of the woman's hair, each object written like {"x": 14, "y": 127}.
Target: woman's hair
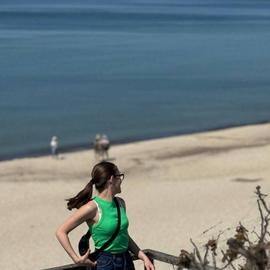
{"x": 100, "y": 174}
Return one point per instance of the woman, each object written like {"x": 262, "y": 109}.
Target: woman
{"x": 100, "y": 213}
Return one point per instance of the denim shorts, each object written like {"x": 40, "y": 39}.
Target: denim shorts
{"x": 108, "y": 261}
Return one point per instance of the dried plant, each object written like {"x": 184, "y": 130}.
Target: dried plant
{"x": 241, "y": 253}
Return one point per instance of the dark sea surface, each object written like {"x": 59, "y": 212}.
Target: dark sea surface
{"x": 131, "y": 69}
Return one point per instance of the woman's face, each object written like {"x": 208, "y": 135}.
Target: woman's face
{"x": 117, "y": 181}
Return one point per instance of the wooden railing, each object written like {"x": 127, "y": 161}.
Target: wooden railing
{"x": 152, "y": 255}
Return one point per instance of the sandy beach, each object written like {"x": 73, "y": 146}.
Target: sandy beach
{"x": 175, "y": 189}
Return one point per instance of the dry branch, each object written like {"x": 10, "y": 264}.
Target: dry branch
{"x": 253, "y": 255}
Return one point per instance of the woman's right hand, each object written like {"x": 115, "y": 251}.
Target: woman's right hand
{"x": 84, "y": 260}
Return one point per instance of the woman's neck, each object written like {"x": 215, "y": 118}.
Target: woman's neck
{"x": 106, "y": 195}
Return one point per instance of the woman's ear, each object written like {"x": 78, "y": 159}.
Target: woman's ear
{"x": 111, "y": 180}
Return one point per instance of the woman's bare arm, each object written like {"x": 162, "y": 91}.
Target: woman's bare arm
{"x": 133, "y": 247}
{"x": 85, "y": 213}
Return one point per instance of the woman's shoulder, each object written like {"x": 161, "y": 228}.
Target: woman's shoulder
{"x": 91, "y": 204}
{"x": 86, "y": 212}
{"x": 89, "y": 207}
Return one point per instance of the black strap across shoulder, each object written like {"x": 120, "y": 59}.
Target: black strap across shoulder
{"x": 84, "y": 241}
{"x": 105, "y": 245}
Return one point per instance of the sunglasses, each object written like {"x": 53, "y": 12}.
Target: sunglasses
{"x": 121, "y": 176}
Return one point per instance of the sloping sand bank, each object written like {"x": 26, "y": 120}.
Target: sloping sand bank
{"x": 175, "y": 189}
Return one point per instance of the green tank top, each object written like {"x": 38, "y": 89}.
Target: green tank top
{"x": 104, "y": 229}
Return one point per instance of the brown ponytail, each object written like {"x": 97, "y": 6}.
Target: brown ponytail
{"x": 81, "y": 198}
{"x": 101, "y": 173}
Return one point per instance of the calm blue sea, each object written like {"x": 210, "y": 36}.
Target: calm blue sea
{"x": 131, "y": 69}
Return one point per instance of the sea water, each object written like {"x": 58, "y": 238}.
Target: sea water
{"x": 130, "y": 69}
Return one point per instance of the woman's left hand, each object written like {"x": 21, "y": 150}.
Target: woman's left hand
{"x": 148, "y": 264}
